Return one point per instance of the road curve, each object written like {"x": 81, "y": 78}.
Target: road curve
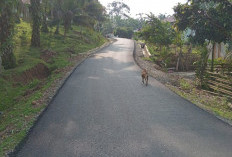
{"x": 104, "y": 110}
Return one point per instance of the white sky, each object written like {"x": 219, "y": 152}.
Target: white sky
{"x": 147, "y": 6}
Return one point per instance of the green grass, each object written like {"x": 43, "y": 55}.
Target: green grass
{"x": 147, "y": 59}
{"x": 185, "y": 85}
{"x": 18, "y": 112}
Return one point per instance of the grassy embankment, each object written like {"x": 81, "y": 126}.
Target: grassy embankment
{"x": 219, "y": 106}
{"x": 17, "y": 94}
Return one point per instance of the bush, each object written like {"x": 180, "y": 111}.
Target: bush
{"x": 123, "y": 32}
{"x": 23, "y": 38}
{"x": 201, "y": 67}
{"x": 185, "y": 85}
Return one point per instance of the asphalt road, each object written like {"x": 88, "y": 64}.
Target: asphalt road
{"x": 104, "y": 110}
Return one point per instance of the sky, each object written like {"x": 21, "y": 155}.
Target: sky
{"x": 147, "y": 6}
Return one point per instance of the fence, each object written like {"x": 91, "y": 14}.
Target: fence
{"x": 220, "y": 81}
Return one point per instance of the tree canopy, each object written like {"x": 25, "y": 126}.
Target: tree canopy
{"x": 43, "y": 14}
{"x": 118, "y": 8}
{"x": 210, "y": 20}
{"x": 157, "y": 31}
{"x": 119, "y": 20}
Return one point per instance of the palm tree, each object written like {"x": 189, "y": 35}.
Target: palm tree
{"x": 35, "y": 12}
{"x": 6, "y": 33}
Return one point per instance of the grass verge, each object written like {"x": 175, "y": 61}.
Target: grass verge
{"x": 219, "y": 106}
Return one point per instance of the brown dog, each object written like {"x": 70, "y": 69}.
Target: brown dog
{"x": 144, "y": 75}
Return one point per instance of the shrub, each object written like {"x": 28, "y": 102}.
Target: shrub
{"x": 201, "y": 67}
{"x": 123, "y": 32}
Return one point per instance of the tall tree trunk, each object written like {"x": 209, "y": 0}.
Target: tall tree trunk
{"x": 6, "y": 35}
{"x": 35, "y": 10}
{"x": 213, "y": 56}
{"x": 67, "y": 21}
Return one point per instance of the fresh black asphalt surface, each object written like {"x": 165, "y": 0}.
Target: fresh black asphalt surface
{"x": 104, "y": 110}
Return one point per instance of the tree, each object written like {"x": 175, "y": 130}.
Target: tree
{"x": 118, "y": 8}
{"x": 68, "y": 7}
{"x": 6, "y": 33}
{"x": 157, "y": 32}
{"x": 124, "y": 32}
{"x": 162, "y": 16}
{"x": 85, "y": 12}
{"x": 57, "y": 15}
{"x": 141, "y": 20}
{"x": 107, "y": 27}
{"x": 36, "y": 20}
{"x": 122, "y": 23}
{"x": 96, "y": 11}
{"x": 178, "y": 41}
{"x": 118, "y": 11}
{"x": 209, "y": 20}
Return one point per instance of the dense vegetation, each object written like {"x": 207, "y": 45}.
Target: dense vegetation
{"x": 119, "y": 21}
{"x": 210, "y": 22}
{"x": 47, "y": 12}
{"x": 182, "y": 42}
{"x": 39, "y": 43}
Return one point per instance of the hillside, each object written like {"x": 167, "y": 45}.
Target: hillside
{"x": 37, "y": 70}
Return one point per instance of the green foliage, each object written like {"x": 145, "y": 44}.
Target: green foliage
{"x": 159, "y": 36}
{"x": 85, "y": 13}
{"x": 8, "y": 60}
{"x": 119, "y": 8}
{"x": 16, "y": 97}
{"x": 119, "y": 20}
{"x": 84, "y": 20}
{"x": 178, "y": 38}
{"x": 45, "y": 12}
{"x": 107, "y": 27}
{"x": 23, "y": 38}
{"x": 7, "y": 22}
{"x": 157, "y": 32}
{"x": 33, "y": 84}
{"x": 186, "y": 85}
{"x": 96, "y": 10}
{"x": 124, "y": 33}
{"x": 201, "y": 66}
{"x": 36, "y": 21}
{"x": 28, "y": 57}
{"x": 209, "y": 20}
